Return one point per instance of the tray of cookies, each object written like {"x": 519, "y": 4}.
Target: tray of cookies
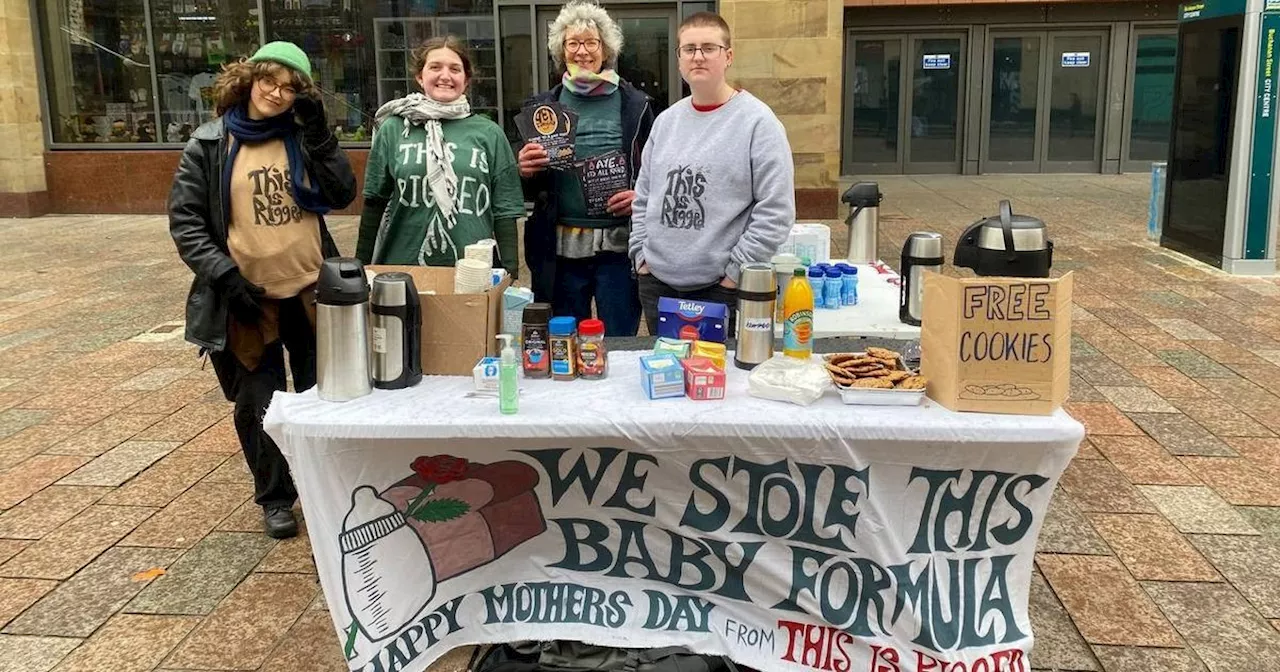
{"x": 877, "y": 377}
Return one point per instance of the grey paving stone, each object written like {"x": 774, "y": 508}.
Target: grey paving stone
{"x": 1196, "y": 510}
{"x": 87, "y": 600}
{"x": 121, "y": 463}
{"x": 1065, "y": 530}
{"x": 33, "y": 654}
{"x": 1219, "y": 625}
{"x": 1181, "y": 435}
{"x": 1143, "y": 659}
{"x": 1251, "y": 564}
{"x": 204, "y": 575}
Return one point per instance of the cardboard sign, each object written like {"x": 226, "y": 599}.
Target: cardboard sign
{"x": 603, "y": 176}
{"x": 997, "y": 345}
{"x": 553, "y": 127}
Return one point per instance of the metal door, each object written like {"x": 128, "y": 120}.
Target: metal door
{"x": 1044, "y": 107}
{"x": 904, "y": 101}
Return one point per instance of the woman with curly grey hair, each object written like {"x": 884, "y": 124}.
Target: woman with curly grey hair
{"x": 574, "y": 256}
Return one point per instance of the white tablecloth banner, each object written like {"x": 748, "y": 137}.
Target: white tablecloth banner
{"x": 828, "y": 537}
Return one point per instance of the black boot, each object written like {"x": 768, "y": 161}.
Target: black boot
{"x": 280, "y": 522}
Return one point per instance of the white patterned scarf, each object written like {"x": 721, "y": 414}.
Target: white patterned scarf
{"x": 418, "y": 109}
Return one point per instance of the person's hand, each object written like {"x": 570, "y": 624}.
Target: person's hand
{"x": 310, "y": 111}
{"x": 643, "y": 270}
{"x": 242, "y": 297}
{"x": 620, "y": 203}
{"x": 728, "y": 283}
{"x": 533, "y": 159}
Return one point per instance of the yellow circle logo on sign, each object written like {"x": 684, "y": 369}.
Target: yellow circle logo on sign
{"x": 544, "y": 120}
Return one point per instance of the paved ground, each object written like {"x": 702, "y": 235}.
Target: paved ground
{"x": 118, "y": 459}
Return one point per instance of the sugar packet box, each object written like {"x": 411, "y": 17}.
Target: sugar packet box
{"x": 689, "y": 320}
{"x": 662, "y": 376}
{"x": 703, "y": 380}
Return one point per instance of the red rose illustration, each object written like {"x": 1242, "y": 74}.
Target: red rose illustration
{"x": 440, "y": 469}
{"x": 437, "y": 470}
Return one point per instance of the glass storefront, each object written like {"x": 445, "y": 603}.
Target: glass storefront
{"x": 130, "y": 72}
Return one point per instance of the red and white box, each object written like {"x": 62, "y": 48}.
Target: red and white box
{"x": 703, "y": 380}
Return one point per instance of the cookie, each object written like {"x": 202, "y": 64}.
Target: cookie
{"x": 883, "y": 353}
{"x": 840, "y": 359}
{"x": 913, "y": 383}
{"x": 897, "y": 376}
{"x": 864, "y": 370}
{"x": 839, "y": 375}
{"x": 873, "y": 383}
{"x": 858, "y": 361}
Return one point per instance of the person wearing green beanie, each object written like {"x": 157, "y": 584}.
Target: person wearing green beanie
{"x": 246, "y": 212}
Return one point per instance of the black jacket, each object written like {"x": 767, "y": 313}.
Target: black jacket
{"x": 540, "y": 228}
{"x": 198, "y": 221}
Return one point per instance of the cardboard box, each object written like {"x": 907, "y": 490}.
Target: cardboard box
{"x": 457, "y": 329}
{"x": 689, "y": 320}
{"x": 997, "y": 345}
{"x": 703, "y": 380}
{"x": 662, "y": 376}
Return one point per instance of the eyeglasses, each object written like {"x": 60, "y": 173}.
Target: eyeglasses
{"x": 269, "y": 86}
{"x": 707, "y": 50}
{"x": 592, "y": 45}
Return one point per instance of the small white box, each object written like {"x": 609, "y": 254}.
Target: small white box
{"x": 486, "y": 376}
{"x": 808, "y": 240}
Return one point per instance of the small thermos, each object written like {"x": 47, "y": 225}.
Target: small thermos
{"x": 922, "y": 252}
{"x": 397, "y": 331}
{"x": 863, "y": 200}
{"x": 342, "y": 330}
{"x": 757, "y": 294}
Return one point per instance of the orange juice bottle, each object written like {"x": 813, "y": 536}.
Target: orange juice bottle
{"x": 797, "y": 317}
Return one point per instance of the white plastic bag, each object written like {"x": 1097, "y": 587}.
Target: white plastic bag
{"x": 783, "y": 378}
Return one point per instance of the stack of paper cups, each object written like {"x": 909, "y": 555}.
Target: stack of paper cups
{"x": 482, "y": 251}
{"x": 472, "y": 276}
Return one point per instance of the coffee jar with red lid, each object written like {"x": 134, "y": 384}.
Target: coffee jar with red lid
{"x": 593, "y": 358}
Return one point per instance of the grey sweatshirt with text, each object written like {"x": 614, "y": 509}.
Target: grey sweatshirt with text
{"x": 716, "y": 190}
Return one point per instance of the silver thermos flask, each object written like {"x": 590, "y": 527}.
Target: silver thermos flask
{"x": 397, "y": 331}
{"x": 757, "y": 294}
{"x": 863, "y": 200}
{"x": 342, "y": 330}
{"x": 922, "y": 252}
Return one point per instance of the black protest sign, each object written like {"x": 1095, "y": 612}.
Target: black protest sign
{"x": 553, "y": 127}
{"x": 603, "y": 176}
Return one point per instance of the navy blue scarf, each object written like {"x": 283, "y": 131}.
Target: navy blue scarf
{"x": 240, "y": 128}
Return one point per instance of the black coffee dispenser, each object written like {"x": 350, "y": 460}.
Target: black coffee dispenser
{"x": 396, "y": 332}
{"x": 1006, "y": 245}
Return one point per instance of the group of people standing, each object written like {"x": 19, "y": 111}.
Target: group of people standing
{"x": 713, "y": 190}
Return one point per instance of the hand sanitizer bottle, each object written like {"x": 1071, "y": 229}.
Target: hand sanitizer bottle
{"x": 508, "y": 382}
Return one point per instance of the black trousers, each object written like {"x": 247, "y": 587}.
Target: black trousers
{"x": 251, "y": 391}
{"x": 652, "y": 289}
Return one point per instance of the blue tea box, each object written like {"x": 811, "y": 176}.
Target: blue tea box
{"x": 662, "y": 376}
{"x": 688, "y": 320}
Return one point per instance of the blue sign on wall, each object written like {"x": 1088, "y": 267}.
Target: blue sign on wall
{"x": 937, "y": 61}
{"x": 1075, "y": 59}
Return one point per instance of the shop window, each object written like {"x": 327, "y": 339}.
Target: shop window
{"x": 98, "y": 70}
{"x": 361, "y": 51}
{"x": 338, "y": 37}
{"x": 193, "y": 41}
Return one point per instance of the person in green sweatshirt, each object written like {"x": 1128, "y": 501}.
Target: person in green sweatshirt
{"x": 439, "y": 178}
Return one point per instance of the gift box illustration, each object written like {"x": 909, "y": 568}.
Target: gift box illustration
{"x": 448, "y": 518}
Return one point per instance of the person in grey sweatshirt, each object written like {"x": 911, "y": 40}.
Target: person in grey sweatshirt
{"x": 716, "y": 187}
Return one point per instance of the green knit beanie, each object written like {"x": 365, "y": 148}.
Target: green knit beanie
{"x": 284, "y": 53}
